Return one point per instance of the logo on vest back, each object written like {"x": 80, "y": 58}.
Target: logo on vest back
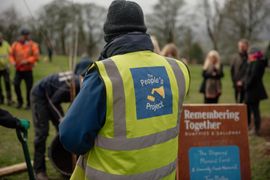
{"x": 152, "y": 91}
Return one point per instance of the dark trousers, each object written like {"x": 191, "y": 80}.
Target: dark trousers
{"x": 253, "y": 108}
{"x": 50, "y": 53}
{"x": 27, "y": 76}
{"x": 41, "y": 116}
{"x": 211, "y": 100}
{"x": 5, "y": 75}
{"x": 239, "y": 95}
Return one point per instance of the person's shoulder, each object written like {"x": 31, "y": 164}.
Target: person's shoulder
{"x": 181, "y": 62}
{"x": 6, "y": 43}
{"x": 92, "y": 79}
{"x": 91, "y": 74}
{"x": 178, "y": 60}
{"x": 91, "y": 69}
{"x": 97, "y": 66}
{"x": 31, "y": 42}
{"x": 15, "y": 43}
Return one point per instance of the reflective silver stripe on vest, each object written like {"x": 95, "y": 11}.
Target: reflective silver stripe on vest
{"x": 158, "y": 173}
{"x": 181, "y": 85}
{"x": 119, "y": 102}
{"x": 120, "y": 142}
{"x": 82, "y": 161}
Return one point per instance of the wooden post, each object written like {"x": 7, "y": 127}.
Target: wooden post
{"x": 13, "y": 169}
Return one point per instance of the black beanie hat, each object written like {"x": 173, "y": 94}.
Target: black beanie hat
{"x": 123, "y": 17}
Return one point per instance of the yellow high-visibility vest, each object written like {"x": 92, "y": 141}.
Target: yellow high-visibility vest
{"x": 139, "y": 140}
{"x": 4, "y": 54}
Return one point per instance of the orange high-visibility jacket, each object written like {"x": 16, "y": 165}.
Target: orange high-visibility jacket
{"x": 24, "y": 52}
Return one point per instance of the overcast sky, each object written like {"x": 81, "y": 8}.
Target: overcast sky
{"x": 36, "y": 4}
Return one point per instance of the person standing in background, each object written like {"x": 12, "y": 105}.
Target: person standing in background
{"x": 238, "y": 70}
{"x": 4, "y": 70}
{"x": 50, "y": 51}
{"x": 212, "y": 74}
{"x": 24, "y": 54}
{"x": 267, "y": 54}
{"x": 254, "y": 88}
{"x": 170, "y": 50}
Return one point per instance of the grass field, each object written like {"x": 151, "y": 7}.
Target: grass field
{"x": 11, "y": 151}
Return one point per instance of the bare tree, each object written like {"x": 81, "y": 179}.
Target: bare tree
{"x": 56, "y": 18}
{"x": 93, "y": 20}
{"x": 214, "y": 16}
{"x": 164, "y": 21}
{"x": 245, "y": 18}
{"x": 10, "y": 24}
{"x": 62, "y": 20}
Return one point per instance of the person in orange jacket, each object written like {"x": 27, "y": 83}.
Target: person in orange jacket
{"x": 24, "y": 54}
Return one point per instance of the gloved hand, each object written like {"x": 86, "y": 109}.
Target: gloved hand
{"x": 24, "y": 124}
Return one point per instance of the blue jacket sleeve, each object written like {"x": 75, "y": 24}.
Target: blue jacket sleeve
{"x": 85, "y": 117}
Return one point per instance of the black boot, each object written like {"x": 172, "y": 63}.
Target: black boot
{"x": 10, "y": 102}
{"x": 19, "y": 106}
{"x": 27, "y": 107}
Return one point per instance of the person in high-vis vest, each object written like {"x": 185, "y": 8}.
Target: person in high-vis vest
{"x": 124, "y": 123}
{"x": 4, "y": 70}
{"x": 24, "y": 54}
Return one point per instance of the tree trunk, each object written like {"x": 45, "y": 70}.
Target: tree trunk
{"x": 63, "y": 43}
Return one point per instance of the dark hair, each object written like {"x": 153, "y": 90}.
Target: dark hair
{"x": 25, "y": 31}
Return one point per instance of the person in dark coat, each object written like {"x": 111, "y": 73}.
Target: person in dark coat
{"x": 212, "y": 74}
{"x": 46, "y": 98}
{"x": 267, "y": 53}
{"x": 238, "y": 70}
{"x": 254, "y": 88}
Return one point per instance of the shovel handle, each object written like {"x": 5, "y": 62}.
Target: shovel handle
{"x": 22, "y": 136}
